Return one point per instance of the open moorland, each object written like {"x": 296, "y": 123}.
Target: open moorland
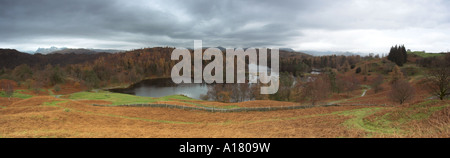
{"x": 73, "y": 115}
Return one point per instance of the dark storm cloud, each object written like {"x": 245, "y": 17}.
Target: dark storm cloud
{"x": 177, "y": 20}
{"x": 127, "y": 24}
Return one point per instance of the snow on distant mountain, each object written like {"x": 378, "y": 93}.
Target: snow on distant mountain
{"x": 287, "y": 49}
{"x": 75, "y": 51}
{"x": 108, "y": 50}
{"x": 48, "y": 50}
{"x": 224, "y": 49}
{"x": 65, "y": 50}
{"x": 324, "y": 53}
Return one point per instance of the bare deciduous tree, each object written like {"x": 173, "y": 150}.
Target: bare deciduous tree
{"x": 396, "y": 74}
{"x": 438, "y": 81}
{"x": 213, "y": 91}
{"x": 317, "y": 89}
{"x": 376, "y": 83}
{"x": 8, "y": 88}
{"x": 401, "y": 91}
{"x": 347, "y": 83}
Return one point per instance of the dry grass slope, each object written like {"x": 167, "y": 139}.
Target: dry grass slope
{"x": 47, "y": 116}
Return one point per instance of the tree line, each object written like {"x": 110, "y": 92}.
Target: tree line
{"x": 338, "y": 74}
{"x": 398, "y": 55}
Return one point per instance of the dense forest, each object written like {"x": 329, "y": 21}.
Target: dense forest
{"x": 337, "y": 74}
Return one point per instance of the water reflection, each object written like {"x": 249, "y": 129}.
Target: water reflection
{"x": 163, "y": 87}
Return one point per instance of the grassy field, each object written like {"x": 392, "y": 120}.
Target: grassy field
{"x": 16, "y": 94}
{"x": 73, "y": 115}
{"x": 121, "y": 99}
{"x": 424, "y": 54}
{"x": 50, "y": 114}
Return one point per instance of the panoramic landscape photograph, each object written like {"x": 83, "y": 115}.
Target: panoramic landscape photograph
{"x": 224, "y": 69}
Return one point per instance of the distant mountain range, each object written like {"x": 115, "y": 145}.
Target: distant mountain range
{"x": 10, "y": 58}
{"x": 49, "y": 50}
{"x": 65, "y": 50}
{"x": 313, "y": 53}
{"x": 324, "y": 53}
{"x": 224, "y": 49}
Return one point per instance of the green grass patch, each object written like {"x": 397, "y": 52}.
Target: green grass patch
{"x": 16, "y": 94}
{"x": 418, "y": 111}
{"x": 424, "y": 104}
{"x": 170, "y": 97}
{"x": 121, "y": 99}
{"x": 392, "y": 121}
{"x": 115, "y": 98}
{"x": 358, "y": 121}
{"x": 54, "y": 103}
{"x": 424, "y": 54}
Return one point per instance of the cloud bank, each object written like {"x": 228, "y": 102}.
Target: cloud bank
{"x": 320, "y": 25}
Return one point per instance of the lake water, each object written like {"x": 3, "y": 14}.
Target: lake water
{"x": 161, "y": 87}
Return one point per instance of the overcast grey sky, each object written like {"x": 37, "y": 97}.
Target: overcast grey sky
{"x": 321, "y": 25}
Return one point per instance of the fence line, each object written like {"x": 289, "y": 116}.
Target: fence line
{"x": 244, "y": 109}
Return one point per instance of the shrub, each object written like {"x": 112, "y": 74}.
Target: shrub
{"x": 57, "y": 88}
{"x": 358, "y": 70}
{"x": 401, "y": 91}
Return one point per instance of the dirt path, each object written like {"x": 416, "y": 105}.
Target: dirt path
{"x": 343, "y": 100}
{"x": 364, "y": 93}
